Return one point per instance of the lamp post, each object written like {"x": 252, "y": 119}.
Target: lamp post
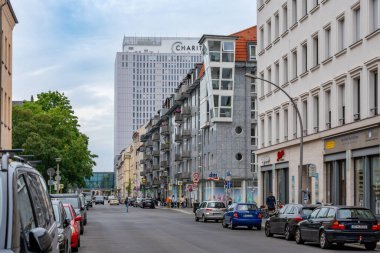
{"x": 58, "y": 177}
{"x": 301, "y": 138}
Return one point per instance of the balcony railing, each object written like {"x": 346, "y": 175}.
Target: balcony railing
{"x": 178, "y": 138}
{"x": 164, "y": 164}
{"x": 149, "y": 143}
{"x": 165, "y": 146}
{"x": 186, "y": 134}
{"x": 186, "y": 154}
{"x": 156, "y": 153}
{"x": 186, "y": 111}
{"x": 178, "y": 118}
{"x": 165, "y": 130}
{"x": 156, "y": 167}
{"x": 178, "y": 158}
{"x": 156, "y": 137}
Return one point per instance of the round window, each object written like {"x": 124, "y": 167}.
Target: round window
{"x": 238, "y": 130}
{"x": 238, "y": 156}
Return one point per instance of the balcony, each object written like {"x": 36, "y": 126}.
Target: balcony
{"x": 156, "y": 183}
{"x": 156, "y": 167}
{"x": 142, "y": 173}
{"x": 165, "y": 146}
{"x": 164, "y": 164}
{"x": 178, "y": 118}
{"x": 178, "y": 98}
{"x": 149, "y": 143}
{"x": 156, "y": 153}
{"x": 186, "y": 154}
{"x": 165, "y": 130}
{"x": 186, "y": 111}
{"x": 156, "y": 137}
{"x": 178, "y": 138}
{"x": 178, "y": 158}
{"x": 186, "y": 134}
{"x": 147, "y": 157}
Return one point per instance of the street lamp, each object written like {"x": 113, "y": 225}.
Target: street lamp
{"x": 58, "y": 177}
{"x": 301, "y": 138}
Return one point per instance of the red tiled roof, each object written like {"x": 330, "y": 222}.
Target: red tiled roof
{"x": 244, "y": 36}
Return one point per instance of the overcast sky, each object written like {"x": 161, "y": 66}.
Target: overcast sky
{"x": 70, "y": 46}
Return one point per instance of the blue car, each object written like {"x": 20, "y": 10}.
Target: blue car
{"x": 242, "y": 214}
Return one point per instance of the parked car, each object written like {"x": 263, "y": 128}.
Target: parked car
{"x": 339, "y": 224}
{"x": 88, "y": 199}
{"x": 111, "y": 197}
{"x": 64, "y": 230}
{"x": 242, "y": 214}
{"x": 131, "y": 201}
{"x": 148, "y": 203}
{"x": 23, "y": 192}
{"x": 284, "y": 222}
{"x": 74, "y": 225}
{"x": 114, "y": 202}
{"x": 210, "y": 210}
{"x": 85, "y": 208}
{"x": 138, "y": 202}
{"x": 75, "y": 201}
{"x": 99, "y": 200}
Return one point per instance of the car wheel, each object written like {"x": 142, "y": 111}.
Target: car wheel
{"x": 298, "y": 236}
{"x": 370, "y": 245}
{"x": 258, "y": 228}
{"x": 267, "y": 230}
{"x": 323, "y": 242}
{"x": 81, "y": 230}
{"x": 196, "y": 218}
{"x": 250, "y": 227}
{"x": 204, "y": 218}
{"x": 75, "y": 249}
{"x": 224, "y": 224}
{"x": 288, "y": 236}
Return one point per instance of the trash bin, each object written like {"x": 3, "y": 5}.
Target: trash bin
{"x": 195, "y": 206}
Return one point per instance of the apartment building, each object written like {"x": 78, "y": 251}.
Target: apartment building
{"x": 326, "y": 55}
{"x": 8, "y": 22}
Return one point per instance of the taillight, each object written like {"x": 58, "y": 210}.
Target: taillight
{"x": 298, "y": 218}
{"x": 337, "y": 226}
{"x": 260, "y": 216}
{"x": 376, "y": 227}
{"x": 236, "y": 215}
{"x": 208, "y": 209}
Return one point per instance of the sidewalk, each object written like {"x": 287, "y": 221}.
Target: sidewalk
{"x": 186, "y": 210}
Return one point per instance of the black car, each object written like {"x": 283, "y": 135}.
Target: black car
{"x": 64, "y": 229}
{"x": 284, "y": 222}
{"x": 131, "y": 201}
{"x": 148, "y": 203}
{"x": 340, "y": 225}
{"x": 23, "y": 193}
{"x": 76, "y": 202}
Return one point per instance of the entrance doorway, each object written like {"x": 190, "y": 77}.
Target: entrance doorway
{"x": 336, "y": 180}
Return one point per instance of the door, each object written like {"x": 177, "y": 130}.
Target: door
{"x": 282, "y": 218}
{"x": 275, "y": 219}
{"x": 307, "y": 226}
{"x": 374, "y": 162}
{"x": 317, "y": 223}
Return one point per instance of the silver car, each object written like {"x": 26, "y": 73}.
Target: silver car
{"x": 210, "y": 210}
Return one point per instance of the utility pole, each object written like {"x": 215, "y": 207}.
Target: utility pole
{"x": 58, "y": 176}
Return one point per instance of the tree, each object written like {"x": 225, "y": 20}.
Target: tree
{"x": 47, "y": 128}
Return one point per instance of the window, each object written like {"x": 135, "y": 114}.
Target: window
{"x": 277, "y": 128}
{"x": 285, "y": 18}
{"x": 228, "y": 51}
{"x": 262, "y": 125}
{"x": 315, "y": 50}
{"x": 304, "y": 117}
{"x": 269, "y": 79}
{"x": 262, "y": 84}
{"x": 269, "y": 32}
{"x": 315, "y": 3}
{"x": 304, "y": 7}
{"x": 328, "y": 108}
{"x": 356, "y": 24}
{"x": 313, "y": 215}
{"x": 277, "y": 73}
{"x": 26, "y": 213}
{"x": 374, "y": 89}
{"x": 323, "y": 212}
{"x": 295, "y": 116}
{"x": 316, "y": 113}
{"x": 356, "y": 98}
{"x": 262, "y": 38}
{"x": 341, "y": 34}
{"x": 374, "y": 15}
{"x": 286, "y": 122}
{"x": 342, "y": 103}
{"x": 253, "y": 135}
{"x": 276, "y": 26}
{"x": 286, "y": 69}
{"x": 252, "y": 52}
{"x": 327, "y": 42}
{"x": 270, "y": 130}
{"x": 304, "y": 57}
{"x": 294, "y": 11}
{"x": 294, "y": 65}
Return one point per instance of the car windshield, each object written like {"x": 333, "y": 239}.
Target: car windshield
{"x": 99, "y": 197}
{"x": 73, "y": 201}
{"x": 88, "y": 198}
{"x": 56, "y": 214}
{"x": 307, "y": 211}
{"x": 216, "y": 205}
{"x": 354, "y": 213}
{"x": 148, "y": 200}
{"x": 246, "y": 207}
{"x": 68, "y": 213}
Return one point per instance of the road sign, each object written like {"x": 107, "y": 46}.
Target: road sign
{"x": 179, "y": 182}
{"x": 50, "y": 182}
{"x": 196, "y": 177}
{"x": 50, "y": 172}
{"x": 312, "y": 169}
{"x": 195, "y": 185}
{"x": 57, "y": 178}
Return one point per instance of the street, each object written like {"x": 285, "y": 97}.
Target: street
{"x": 110, "y": 229}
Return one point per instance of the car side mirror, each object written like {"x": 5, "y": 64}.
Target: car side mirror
{"x": 78, "y": 218}
{"x": 40, "y": 240}
{"x": 66, "y": 222}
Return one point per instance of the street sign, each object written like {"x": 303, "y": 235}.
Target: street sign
{"x": 312, "y": 169}
{"x": 50, "y": 182}
{"x": 196, "y": 177}
{"x": 195, "y": 185}
{"x": 179, "y": 182}
{"x": 50, "y": 172}
{"x": 57, "y": 178}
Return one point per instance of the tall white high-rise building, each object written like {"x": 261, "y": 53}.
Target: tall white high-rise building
{"x": 146, "y": 72}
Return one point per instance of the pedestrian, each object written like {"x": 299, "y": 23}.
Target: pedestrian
{"x": 126, "y": 203}
{"x": 168, "y": 201}
{"x": 229, "y": 201}
{"x": 271, "y": 202}
{"x": 187, "y": 202}
{"x": 182, "y": 201}
{"x": 174, "y": 203}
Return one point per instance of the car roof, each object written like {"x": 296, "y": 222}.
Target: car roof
{"x": 66, "y": 195}
{"x": 55, "y": 202}
{"x": 243, "y": 203}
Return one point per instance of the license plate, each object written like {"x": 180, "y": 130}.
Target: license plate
{"x": 216, "y": 213}
{"x": 359, "y": 226}
{"x": 248, "y": 215}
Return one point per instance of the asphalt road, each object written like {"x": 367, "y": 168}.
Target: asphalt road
{"x": 110, "y": 229}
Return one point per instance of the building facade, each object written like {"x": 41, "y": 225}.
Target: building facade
{"x": 147, "y": 71}
{"x": 100, "y": 183}
{"x": 325, "y": 54}
{"x": 8, "y": 22}
{"x": 205, "y": 132}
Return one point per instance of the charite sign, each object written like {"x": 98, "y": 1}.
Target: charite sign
{"x": 180, "y": 47}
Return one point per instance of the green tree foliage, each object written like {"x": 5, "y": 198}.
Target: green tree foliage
{"x": 47, "y": 128}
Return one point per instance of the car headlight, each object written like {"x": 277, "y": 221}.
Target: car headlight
{"x": 60, "y": 238}
{"x": 72, "y": 229}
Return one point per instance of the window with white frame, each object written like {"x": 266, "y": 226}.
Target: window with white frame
{"x": 286, "y": 123}
{"x": 286, "y": 70}
{"x": 304, "y": 57}
{"x": 214, "y": 48}
{"x": 252, "y": 52}
{"x": 269, "y": 32}
{"x": 262, "y": 38}
{"x": 253, "y": 162}
{"x": 315, "y": 50}
{"x": 269, "y": 130}
{"x": 328, "y": 108}
{"x": 277, "y": 73}
{"x": 294, "y": 64}
{"x": 341, "y": 34}
{"x": 356, "y": 23}
{"x": 276, "y": 26}
{"x": 294, "y": 12}
{"x": 269, "y": 78}
{"x": 285, "y": 25}
{"x": 315, "y": 3}
{"x": 253, "y": 135}
{"x": 262, "y": 85}
{"x": 356, "y": 98}
{"x": 295, "y": 120}
{"x": 222, "y": 106}
{"x": 262, "y": 125}
{"x": 341, "y": 104}
{"x": 304, "y": 7}
{"x": 228, "y": 51}
{"x": 374, "y": 15}
{"x": 304, "y": 116}
{"x": 327, "y": 42}
{"x": 277, "y": 128}
{"x": 316, "y": 113}
{"x": 374, "y": 92}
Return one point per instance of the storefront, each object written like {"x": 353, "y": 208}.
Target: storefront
{"x": 352, "y": 169}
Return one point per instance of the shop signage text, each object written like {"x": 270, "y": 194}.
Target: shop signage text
{"x": 179, "y": 47}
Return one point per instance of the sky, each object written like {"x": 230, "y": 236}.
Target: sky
{"x": 70, "y": 46}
